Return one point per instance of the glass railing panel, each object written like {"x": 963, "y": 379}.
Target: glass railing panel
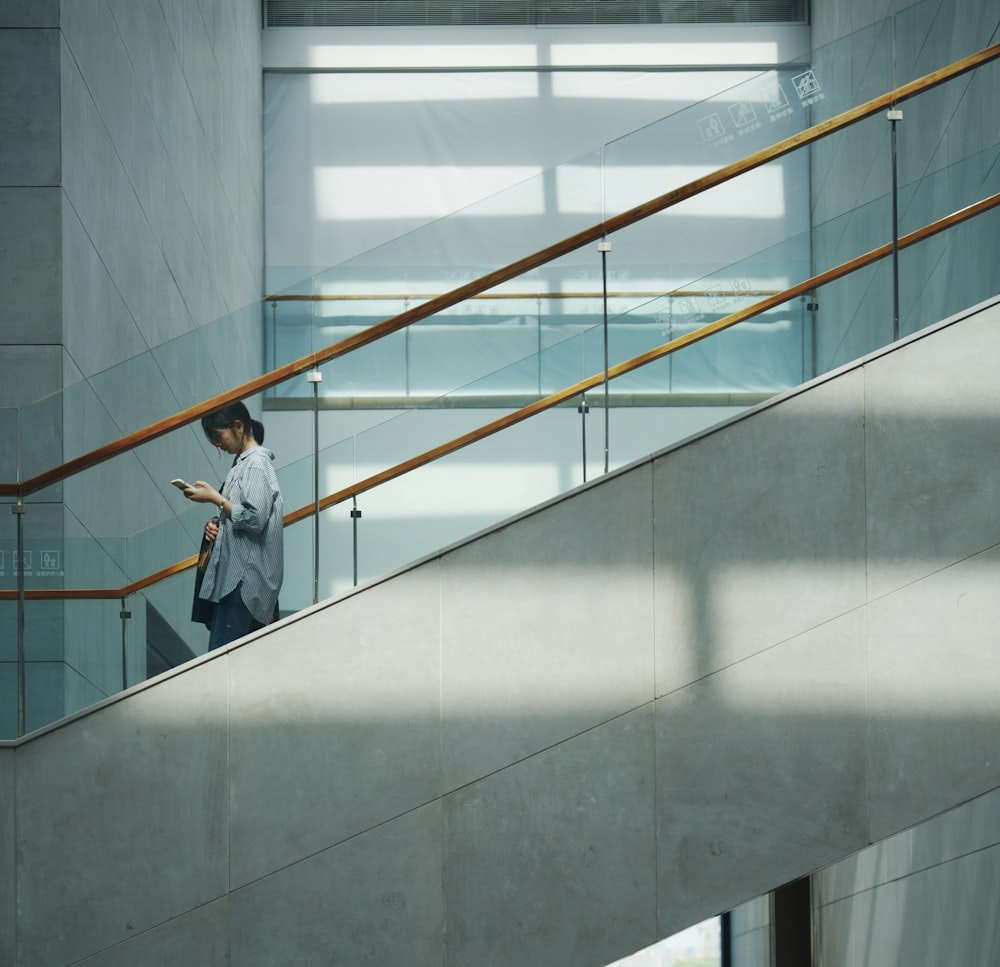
{"x": 859, "y": 218}
{"x": 462, "y": 493}
{"x": 289, "y": 328}
{"x": 854, "y": 316}
{"x": 98, "y": 663}
{"x": 949, "y": 273}
{"x": 460, "y": 345}
{"x": 40, "y": 433}
{"x": 45, "y": 671}
{"x": 72, "y": 648}
{"x": 439, "y": 257}
{"x": 705, "y": 382}
{"x": 947, "y": 190}
{"x": 850, "y": 71}
{"x": 395, "y": 435}
{"x": 170, "y": 637}
{"x": 705, "y": 259}
{"x": 337, "y": 470}
{"x": 143, "y": 389}
{"x": 577, "y": 194}
{"x": 920, "y": 45}
{"x": 705, "y": 136}
{"x": 700, "y": 259}
{"x": 935, "y": 279}
{"x": 339, "y": 533}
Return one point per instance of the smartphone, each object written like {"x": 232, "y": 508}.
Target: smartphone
{"x": 182, "y": 484}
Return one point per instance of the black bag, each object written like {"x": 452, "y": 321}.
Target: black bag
{"x": 202, "y": 611}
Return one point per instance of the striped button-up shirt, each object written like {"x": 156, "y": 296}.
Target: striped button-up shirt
{"x": 249, "y": 548}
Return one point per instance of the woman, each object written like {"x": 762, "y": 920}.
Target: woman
{"x": 245, "y": 568}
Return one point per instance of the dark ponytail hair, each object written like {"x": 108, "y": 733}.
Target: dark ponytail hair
{"x": 225, "y": 419}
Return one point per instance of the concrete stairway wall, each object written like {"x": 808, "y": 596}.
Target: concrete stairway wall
{"x": 636, "y": 706}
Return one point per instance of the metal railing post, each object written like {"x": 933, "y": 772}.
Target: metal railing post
{"x": 315, "y": 377}
{"x": 895, "y": 116}
{"x": 355, "y": 517}
{"x": 124, "y": 614}
{"x": 604, "y": 246}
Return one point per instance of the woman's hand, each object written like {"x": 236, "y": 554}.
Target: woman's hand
{"x": 212, "y": 529}
{"x": 203, "y": 493}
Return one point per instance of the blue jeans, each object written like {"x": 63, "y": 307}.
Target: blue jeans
{"x": 232, "y": 620}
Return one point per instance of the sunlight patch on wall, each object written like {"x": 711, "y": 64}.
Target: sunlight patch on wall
{"x": 441, "y": 56}
{"x": 372, "y": 193}
{"x": 665, "y": 55}
{"x": 387, "y": 89}
{"x": 682, "y": 87}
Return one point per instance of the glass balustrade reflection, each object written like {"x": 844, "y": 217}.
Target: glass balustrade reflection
{"x": 140, "y": 391}
{"x": 457, "y": 494}
{"x": 407, "y": 518}
{"x": 520, "y": 340}
{"x": 72, "y": 649}
{"x": 290, "y": 329}
{"x": 162, "y": 622}
{"x": 662, "y": 252}
{"x": 701, "y": 138}
{"x": 433, "y": 258}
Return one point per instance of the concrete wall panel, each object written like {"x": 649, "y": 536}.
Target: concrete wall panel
{"x": 29, "y": 109}
{"x": 931, "y": 506}
{"x": 757, "y": 542}
{"x": 736, "y": 822}
{"x": 92, "y": 302}
{"x": 567, "y": 644}
{"x": 371, "y": 901}
{"x": 105, "y": 201}
{"x": 122, "y": 820}
{"x": 200, "y": 937}
{"x": 934, "y": 679}
{"x": 30, "y": 13}
{"x": 568, "y": 839}
{"x": 31, "y": 270}
{"x": 319, "y": 758}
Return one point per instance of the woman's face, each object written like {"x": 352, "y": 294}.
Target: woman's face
{"x": 230, "y": 439}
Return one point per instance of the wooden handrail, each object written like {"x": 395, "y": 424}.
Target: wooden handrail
{"x": 553, "y": 399}
{"x": 499, "y": 276}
